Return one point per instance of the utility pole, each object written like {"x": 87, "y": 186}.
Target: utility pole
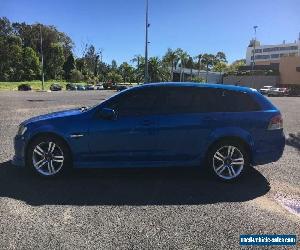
{"x": 41, "y": 43}
{"x": 146, "y": 76}
{"x": 254, "y": 44}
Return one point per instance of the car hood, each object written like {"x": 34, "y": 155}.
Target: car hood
{"x": 59, "y": 114}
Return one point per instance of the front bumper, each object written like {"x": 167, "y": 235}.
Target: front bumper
{"x": 19, "y": 146}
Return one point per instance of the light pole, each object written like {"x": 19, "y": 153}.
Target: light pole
{"x": 146, "y": 76}
{"x": 41, "y": 43}
{"x": 254, "y": 44}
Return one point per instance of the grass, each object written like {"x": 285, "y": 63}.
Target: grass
{"x": 35, "y": 85}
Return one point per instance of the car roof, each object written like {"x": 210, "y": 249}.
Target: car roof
{"x": 193, "y": 84}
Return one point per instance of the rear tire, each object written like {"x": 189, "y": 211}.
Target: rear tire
{"x": 48, "y": 156}
{"x": 228, "y": 160}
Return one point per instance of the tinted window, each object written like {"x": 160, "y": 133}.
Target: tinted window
{"x": 177, "y": 99}
{"x": 136, "y": 102}
{"x": 234, "y": 101}
{"x": 219, "y": 100}
{"x": 198, "y": 100}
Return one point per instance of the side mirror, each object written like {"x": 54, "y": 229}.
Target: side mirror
{"x": 107, "y": 113}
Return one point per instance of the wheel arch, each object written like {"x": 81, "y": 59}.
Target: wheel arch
{"x": 240, "y": 140}
{"x": 49, "y": 134}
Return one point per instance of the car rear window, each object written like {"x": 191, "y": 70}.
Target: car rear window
{"x": 199, "y": 100}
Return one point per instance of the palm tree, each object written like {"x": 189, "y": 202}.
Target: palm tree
{"x": 157, "y": 72}
{"x": 136, "y": 59}
{"x": 190, "y": 64}
{"x": 208, "y": 60}
{"x": 127, "y": 72}
{"x": 183, "y": 57}
{"x": 220, "y": 67}
{"x": 221, "y": 57}
{"x": 198, "y": 58}
{"x": 170, "y": 58}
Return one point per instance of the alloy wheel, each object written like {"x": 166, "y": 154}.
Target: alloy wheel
{"x": 228, "y": 162}
{"x": 47, "y": 158}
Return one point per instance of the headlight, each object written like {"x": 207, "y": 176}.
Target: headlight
{"x": 22, "y": 130}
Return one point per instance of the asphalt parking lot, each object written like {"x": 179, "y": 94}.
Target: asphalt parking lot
{"x": 140, "y": 208}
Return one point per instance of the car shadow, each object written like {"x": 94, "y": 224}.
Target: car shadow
{"x": 160, "y": 186}
{"x": 294, "y": 140}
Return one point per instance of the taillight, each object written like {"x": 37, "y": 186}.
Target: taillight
{"x": 276, "y": 122}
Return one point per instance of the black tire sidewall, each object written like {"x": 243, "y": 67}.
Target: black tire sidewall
{"x": 67, "y": 159}
{"x": 218, "y": 145}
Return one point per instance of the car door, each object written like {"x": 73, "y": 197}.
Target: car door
{"x": 185, "y": 124}
{"x": 130, "y": 137}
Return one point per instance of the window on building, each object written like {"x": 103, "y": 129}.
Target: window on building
{"x": 262, "y": 56}
{"x": 275, "y": 56}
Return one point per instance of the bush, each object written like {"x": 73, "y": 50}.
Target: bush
{"x": 198, "y": 79}
{"x": 114, "y": 77}
{"x": 76, "y": 76}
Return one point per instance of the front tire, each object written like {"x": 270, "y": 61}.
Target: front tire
{"x": 228, "y": 160}
{"x": 48, "y": 157}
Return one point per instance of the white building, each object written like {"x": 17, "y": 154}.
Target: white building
{"x": 271, "y": 52}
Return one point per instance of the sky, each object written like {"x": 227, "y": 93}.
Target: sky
{"x": 197, "y": 26}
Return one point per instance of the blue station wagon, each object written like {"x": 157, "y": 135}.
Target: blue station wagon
{"x": 222, "y": 128}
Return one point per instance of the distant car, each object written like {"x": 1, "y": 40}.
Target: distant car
{"x": 55, "y": 87}
{"x": 24, "y": 87}
{"x": 121, "y": 87}
{"x": 80, "y": 87}
{"x": 265, "y": 90}
{"x": 99, "y": 86}
{"x": 90, "y": 87}
{"x": 71, "y": 86}
{"x": 223, "y": 129}
{"x": 278, "y": 92}
{"x": 109, "y": 85}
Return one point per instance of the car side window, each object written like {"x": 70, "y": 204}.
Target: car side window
{"x": 235, "y": 101}
{"x": 178, "y": 100}
{"x": 220, "y": 100}
{"x": 205, "y": 100}
{"x": 136, "y": 103}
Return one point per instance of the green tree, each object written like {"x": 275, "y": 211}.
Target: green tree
{"x": 221, "y": 57}
{"x": 198, "y": 66}
{"x": 136, "y": 59}
{"x": 190, "y": 65}
{"x": 92, "y": 60}
{"x": 220, "y": 67}
{"x": 127, "y": 72}
{"x": 170, "y": 58}
{"x": 69, "y": 65}
{"x": 208, "y": 60}
{"x": 236, "y": 64}
{"x": 114, "y": 65}
{"x": 157, "y": 70}
{"x": 183, "y": 57}
{"x": 54, "y": 61}
{"x": 76, "y": 76}
{"x": 114, "y": 77}
{"x": 198, "y": 79}
{"x": 30, "y": 64}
